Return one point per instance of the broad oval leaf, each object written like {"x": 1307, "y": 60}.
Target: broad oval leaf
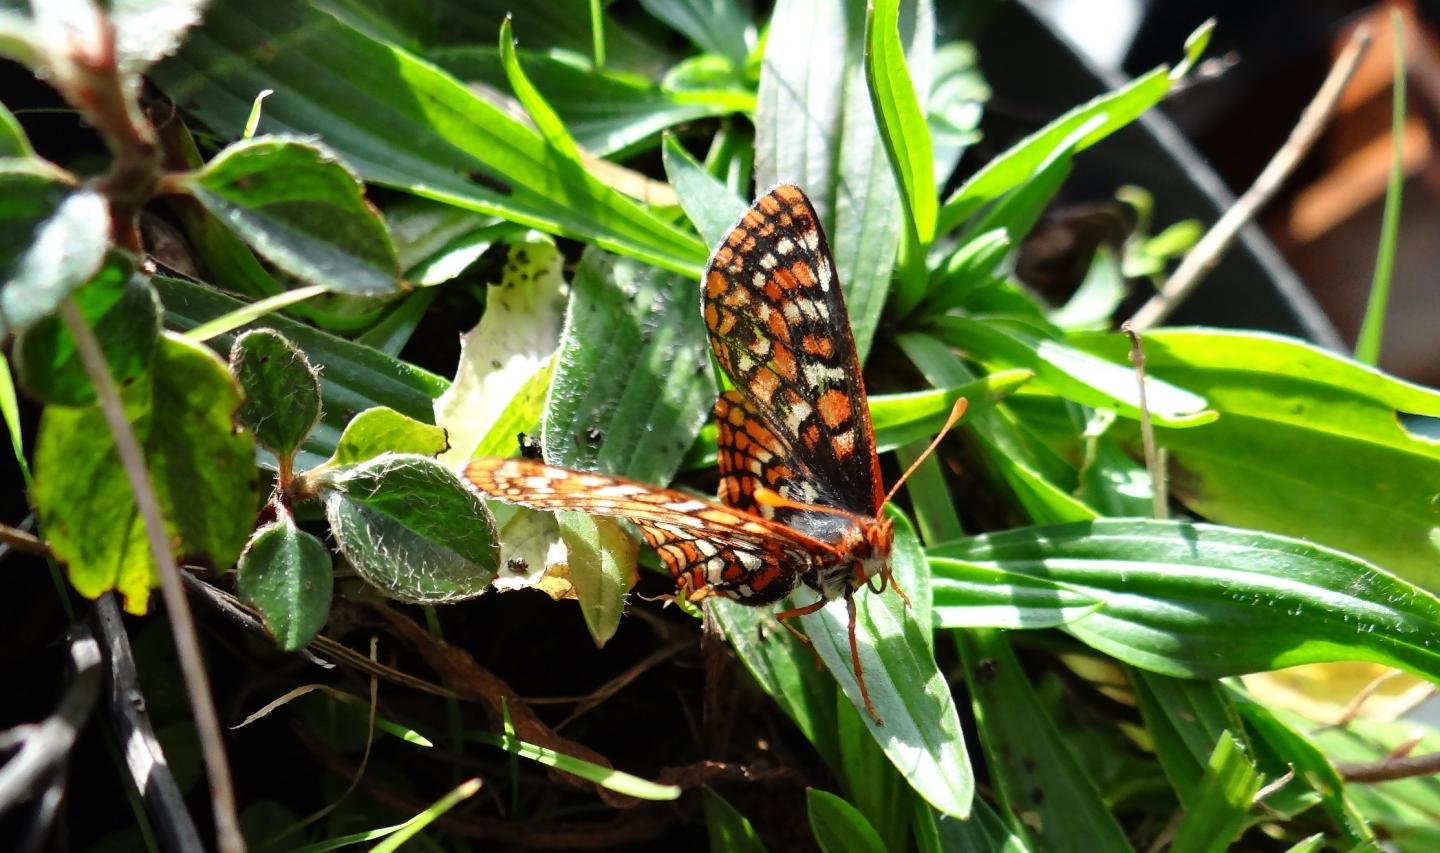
{"x": 1201, "y": 601}
{"x": 286, "y": 573}
{"x": 297, "y": 205}
{"x": 601, "y": 562}
{"x": 727, "y": 828}
{"x": 53, "y": 238}
{"x": 204, "y": 475}
{"x": 120, "y": 306}
{"x": 382, "y": 430}
{"x": 401, "y": 122}
{"x": 409, "y": 527}
{"x": 353, "y": 377}
{"x": 282, "y": 390}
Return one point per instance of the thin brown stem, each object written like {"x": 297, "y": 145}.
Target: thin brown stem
{"x": 28, "y": 543}
{"x": 1206, "y": 254}
{"x": 182, "y": 625}
{"x": 1387, "y": 769}
{"x": 1158, "y": 491}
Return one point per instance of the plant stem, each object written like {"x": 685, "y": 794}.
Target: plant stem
{"x": 1372, "y": 329}
{"x": 1207, "y": 252}
{"x": 182, "y": 625}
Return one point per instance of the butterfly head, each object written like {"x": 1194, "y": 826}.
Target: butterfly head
{"x": 863, "y": 554}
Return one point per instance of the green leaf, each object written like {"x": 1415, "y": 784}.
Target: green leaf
{"x": 119, "y": 304}
{"x": 1308, "y": 444}
{"x": 614, "y": 780}
{"x": 436, "y": 242}
{"x": 1017, "y": 164}
{"x": 1184, "y": 718}
{"x": 602, "y": 564}
{"x": 1019, "y": 209}
{"x": 838, "y": 826}
{"x": 1035, "y": 475}
{"x": 727, "y": 828}
{"x": 282, "y": 390}
{"x": 515, "y": 338}
{"x": 1074, "y": 374}
{"x": 707, "y": 201}
{"x": 967, "y": 596}
{"x": 542, "y": 115}
{"x": 202, "y": 468}
{"x": 401, "y": 122}
{"x": 1372, "y": 327}
{"x": 522, "y": 414}
{"x": 717, "y": 26}
{"x": 1036, "y": 777}
{"x": 353, "y": 378}
{"x": 957, "y": 100}
{"x": 1200, "y": 601}
{"x": 13, "y": 142}
{"x": 632, "y": 379}
{"x": 872, "y": 784}
{"x": 296, "y": 204}
{"x": 1223, "y": 803}
{"x": 815, "y": 127}
{"x": 921, "y": 733}
{"x": 53, "y": 239}
{"x": 286, "y": 573}
{"x": 382, "y": 430}
{"x": 605, "y": 111}
{"x": 901, "y": 117}
{"x": 983, "y": 832}
{"x": 970, "y": 266}
{"x": 1294, "y": 749}
{"x": 409, "y": 527}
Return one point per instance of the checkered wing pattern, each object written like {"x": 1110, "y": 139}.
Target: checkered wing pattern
{"x": 703, "y": 544}
{"x": 778, "y": 325}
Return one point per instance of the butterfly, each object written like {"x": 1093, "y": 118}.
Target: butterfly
{"x": 801, "y": 499}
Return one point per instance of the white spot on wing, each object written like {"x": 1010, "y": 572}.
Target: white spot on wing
{"x": 795, "y": 418}
{"x": 824, "y": 272}
{"x": 785, "y": 246}
{"x": 811, "y": 239}
{"x": 767, "y": 261}
{"x": 820, "y": 376}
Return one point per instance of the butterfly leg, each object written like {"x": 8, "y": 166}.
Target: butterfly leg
{"x": 802, "y": 611}
{"x": 855, "y": 660}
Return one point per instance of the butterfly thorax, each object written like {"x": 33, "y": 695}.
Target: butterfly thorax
{"x": 862, "y": 552}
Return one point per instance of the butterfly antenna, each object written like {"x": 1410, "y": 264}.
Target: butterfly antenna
{"x": 955, "y": 414}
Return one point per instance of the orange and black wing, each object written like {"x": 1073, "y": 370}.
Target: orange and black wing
{"x": 703, "y": 544}
{"x": 778, "y": 326}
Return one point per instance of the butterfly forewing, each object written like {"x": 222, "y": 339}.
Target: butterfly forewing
{"x": 703, "y": 544}
{"x": 778, "y": 326}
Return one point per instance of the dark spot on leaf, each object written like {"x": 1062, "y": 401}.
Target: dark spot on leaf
{"x": 517, "y": 564}
{"x": 264, "y": 359}
{"x": 593, "y": 436}
{"x": 490, "y": 183}
{"x": 529, "y": 445}
{"x": 522, "y": 256}
{"x": 495, "y": 363}
{"x": 1037, "y": 796}
{"x": 985, "y": 671}
{"x": 1029, "y": 765}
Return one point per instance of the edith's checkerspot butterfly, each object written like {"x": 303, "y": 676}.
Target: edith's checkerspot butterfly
{"x": 801, "y": 497}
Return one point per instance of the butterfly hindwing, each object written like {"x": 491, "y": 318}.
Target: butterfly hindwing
{"x": 778, "y": 326}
